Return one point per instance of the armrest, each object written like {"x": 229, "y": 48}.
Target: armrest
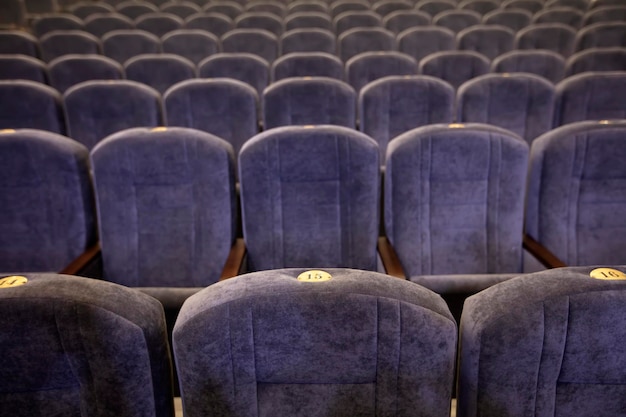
{"x": 82, "y": 261}
{"x": 234, "y": 262}
{"x": 390, "y": 259}
{"x": 541, "y": 253}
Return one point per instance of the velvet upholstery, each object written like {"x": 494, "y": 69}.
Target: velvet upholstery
{"x": 307, "y": 64}
{"x": 47, "y": 216}
{"x": 82, "y": 347}
{"x": 121, "y": 45}
{"x": 567, "y": 15}
{"x": 341, "y": 6}
{"x": 254, "y": 41}
{"x": 231, "y": 9}
{"x": 69, "y": 70}
{"x": 434, "y": 7}
{"x": 385, "y": 7}
{"x": 533, "y": 6}
{"x": 489, "y": 40}
{"x": 393, "y": 105}
{"x": 260, "y": 20}
{"x": 601, "y": 35}
{"x": 84, "y": 9}
{"x": 575, "y": 189}
{"x": 265, "y": 344}
{"x": 18, "y": 42}
{"x": 194, "y": 45}
{"x": 359, "y": 40}
{"x": 597, "y": 59}
{"x": 582, "y": 5}
{"x": 23, "y": 67}
{"x": 63, "y": 42}
{"x": 182, "y": 9}
{"x": 615, "y": 13}
{"x": 134, "y": 9}
{"x": 405, "y": 19}
{"x": 275, "y": 7}
{"x": 481, "y": 7}
{"x": 32, "y": 105}
{"x": 420, "y": 42}
{"x": 457, "y": 20}
{"x": 454, "y": 67}
{"x": 547, "y": 64}
{"x": 245, "y": 67}
{"x": 159, "y": 23}
{"x": 309, "y": 197}
{"x": 545, "y": 344}
{"x": 355, "y": 19}
{"x": 454, "y": 199}
{"x": 166, "y": 206}
{"x": 224, "y": 107}
{"x": 590, "y": 96}
{"x": 514, "y": 19}
{"x": 363, "y": 68}
{"x": 555, "y": 37}
{"x": 307, "y": 101}
{"x": 159, "y": 71}
{"x": 216, "y": 23}
{"x": 522, "y": 103}
{"x": 55, "y": 21}
{"x": 298, "y": 6}
{"x": 307, "y": 20}
{"x": 308, "y": 40}
{"x": 96, "y": 109}
{"x": 99, "y": 24}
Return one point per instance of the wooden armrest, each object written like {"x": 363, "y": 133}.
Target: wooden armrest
{"x": 82, "y": 261}
{"x": 541, "y": 253}
{"x": 389, "y": 257}
{"x": 234, "y": 261}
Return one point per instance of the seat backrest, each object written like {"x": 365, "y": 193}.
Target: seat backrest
{"x": 544, "y": 344}
{"x": 533, "y": 6}
{"x": 464, "y": 217}
{"x": 159, "y": 23}
{"x": 547, "y": 64}
{"x": 601, "y": 35}
{"x": 420, "y": 42}
{"x": 23, "y": 67}
{"x": 597, "y": 59}
{"x": 260, "y": 20}
{"x": 605, "y": 14}
{"x": 575, "y": 189}
{"x": 307, "y": 20}
{"x": 457, "y": 20}
{"x": 166, "y": 206}
{"x": 307, "y": 101}
{"x": 231, "y": 9}
{"x": 159, "y": 71}
{"x": 215, "y": 23}
{"x": 30, "y": 105}
{"x": 299, "y": 6}
{"x": 590, "y": 96}
{"x": 340, "y": 6}
{"x": 192, "y": 44}
{"x": 70, "y": 70}
{"x": 19, "y": 42}
{"x": 454, "y": 67}
{"x": 581, "y": 5}
{"x": 224, "y": 107}
{"x": 55, "y": 21}
{"x": 356, "y": 18}
{"x": 481, "y": 7}
{"x": 47, "y": 216}
{"x": 514, "y": 19}
{"x": 64, "y": 42}
{"x": 555, "y": 37}
{"x": 181, "y": 9}
{"x": 343, "y": 347}
{"x": 135, "y": 8}
{"x": 385, "y": 7}
{"x": 369, "y": 66}
{"x": 253, "y": 41}
{"x": 121, "y": 45}
{"x": 434, "y": 7}
{"x": 90, "y": 348}
{"x": 521, "y": 103}
{"x": 405, "y": 19}
{"x": 101, "y": 23}
{"x": 248, "y": 68}
{"x": 308, "y": 40}
{"x": 307, "y": 64}
{"x": 488, "y": 40}
{"x": 358, "y": 40}
{"x": 96, "y": 109}
{"x": 566, "y": 15}
{"x": 84, "y": 9}
{"x": 393, "y": 105}
{"x": 276, "y": 7}
{"x": 309, "y": 198}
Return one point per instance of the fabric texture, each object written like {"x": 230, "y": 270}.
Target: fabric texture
{"x": 454, "y": 67}
{"x": 363, "y": 68}
{"x": 22, "y": 67}
{"x": 192, "y": 44}
{"x": 422, "y": 41}
{"x": 254, "y": 41}
{"x": 248, "y": 68}
{"x": 70, "y": 70}
{"x": 547, "y": 64}
{"x": 358, "y": 40}
{"x": 489, "y": 40}
{"x": 121, "y": 45}
{"x": 30, "y": 105}
{"x": 307, "y": 64}
{"x": 308, "y": 40}
{"x": 555, "y": 37}
{"x": 63, "y": 42}
{"x": 159, "y": 71}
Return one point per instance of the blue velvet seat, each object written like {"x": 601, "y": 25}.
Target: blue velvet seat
{"x": 96, "y": 109}
{"x": 121, "y": 45}
{"x": 182, "y": 9}
{"x": 566, "y": 15}
{"x": 231, "y": 9}
{"x": 216, "y": 23}
{"x": 307, "y": 101}
{"x": 135, "y": 8}
{"x": 19, "y": 42}
{"x": 23, "y": 67}
{"x": 84, "y": 9}
{"x": 575, "y": 189}
{"x": 401, "y": 20}
{"x": 344, "y": 347}
{"x": 547, "y": 64}
{"x": 253, "y": 41}
{"x": 488, "y": 40}
{"x": 89, "y": 348}
{"x": 454, "y": 67}
{"x": 601, "y": 35}
{"x": 555, "y": 37}
{"x": 100, "y": 23}
{"x": 481, "y": 7}
{"x": 434, "y": 7}
{"x": 533, "y": 6}
{"x": 223, "y": 107}
{"x": 597, "y": 59}
{"x": 547, "y": 343}
{"x": 248, "y": 68}
{"x": 457, "y": 20}
{"x": 307, "y": 64}
{"x": 308, "y": 20}
{"x": 363, "y": 68}
{"x": 356, "y": 19}
{"x": 393, "y": 105}
{"x": 604, "y": 14}
{"x": 590, "y": 96}
{"x": 70, "y": 70}
{"x": 514, "y": 19}
{"x": 32, "y": 105}
{"x": 55, "y": 21}
{"x": 522, "y": 103}
{"x": 64, "y": 42}
{"x": 422, "y": 41}
{"x": 369, "y": 39}
{"x": 308, "y": 40}
{"x": 260, "y": 20}
{"x": 192, "y": 44}
{"x": 159, "y": 71}
{"x": 47, "y": 215}
{"x": 159, "y": 23}
{"x": 309, "y": 198}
